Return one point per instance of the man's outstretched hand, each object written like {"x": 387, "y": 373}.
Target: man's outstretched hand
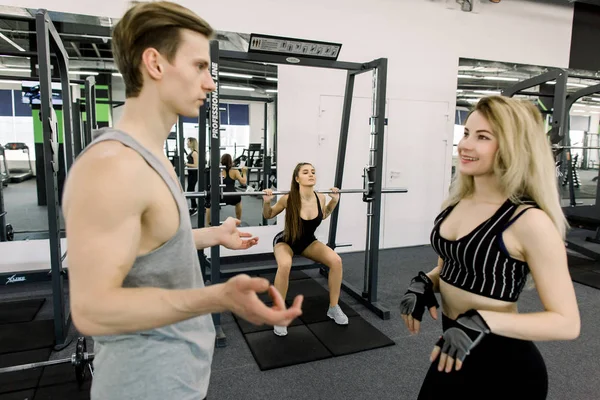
{"x": 241, "y": 297}
{"x": 232, "y": 238}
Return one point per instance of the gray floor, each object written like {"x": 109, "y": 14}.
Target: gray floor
{"x": 23, "y": 212}
{"x": 393, "y": 372}
{"x": 587, "y": 189}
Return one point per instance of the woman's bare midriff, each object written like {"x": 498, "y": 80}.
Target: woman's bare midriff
{"x": 456, "y": 301}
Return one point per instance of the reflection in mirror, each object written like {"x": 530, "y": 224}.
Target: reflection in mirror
{"x": 247, "y": 101}
{"x": 580, "y": 123}
{"x": 248, "y": 104}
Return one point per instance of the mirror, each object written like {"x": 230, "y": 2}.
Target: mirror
{"x": 248, "y": 115}
{"x": 479, "y": 78}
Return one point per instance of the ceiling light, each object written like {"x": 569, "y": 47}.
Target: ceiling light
{"x": 15, "y": 70}
{"x": 577, "y": 85}
{"x": 231, "y": 74}
{"x": 467, "y": 77}
{"x": 487, "y": 91}
{"x": 500, "y": 78}
{"x": 271, "y": 91}
{"x": 116, "y": 74}
{"x": 272, "y": 79}
{"x": 237, "y": 88}
{"x": 83, "y": 73}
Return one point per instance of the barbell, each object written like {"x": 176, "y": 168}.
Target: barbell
{"x": 576, "y": 147}
{"x": 81, "y": 360}
{"x": 282, "y": 192}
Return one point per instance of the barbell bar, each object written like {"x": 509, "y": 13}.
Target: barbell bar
{"x": 575, "y": 147}
{"x": 81, "y": 360}
{"x": 282, "y": 192}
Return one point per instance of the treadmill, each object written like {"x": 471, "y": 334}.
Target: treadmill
{"x": 4, "y": 175}
{"x": 20, "y": 174}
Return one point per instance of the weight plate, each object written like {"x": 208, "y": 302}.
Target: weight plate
{"x": 80, "y": 364}
{"x": 10, "y": 233}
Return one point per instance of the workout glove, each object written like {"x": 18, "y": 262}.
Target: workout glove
{"x": 457, "y": 342}
{"x": 418, "y": 297}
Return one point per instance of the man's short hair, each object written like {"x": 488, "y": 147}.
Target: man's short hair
{"x": 155, "y": 25}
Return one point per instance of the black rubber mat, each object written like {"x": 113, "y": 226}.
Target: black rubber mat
{"x": 21, "y": 380}
{"x": 20, "y": 310}
{"x": 314, "y": 309}
{"x": 299, "y": 346}
{"x": 69, "y": 391}
{"x": 26, "y": 336}
{"x": 21, "y": 395}
{"x": 358, "y": 335}
{"x": 247, "y": 327}
{"x": 294, "y": 276}
{"x": 584, "y": 271}
{"x": 307, "y": 288}
{"x": 313, "y": 336}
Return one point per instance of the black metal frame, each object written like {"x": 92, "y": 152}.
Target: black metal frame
{"x": 586, "y": 214}
{"x": 368, "y": 296}
{"x": 49, "y": 41}
{"x": 581, "y": 215}
{"x": 181, "y": 148}
{"x": 90, "y": 109}
{"x": 559, "y": 115}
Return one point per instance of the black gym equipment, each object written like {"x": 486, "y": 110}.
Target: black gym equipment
{"x": 18, "y": 175}
{"x": 582, "y": 218}
{"x": 81, "y": 360}
{"x": 49, "y": 42}
{"x": 372, "y": 192}
{"x": 18, "y": 311}
{"x": 4, "y": 175}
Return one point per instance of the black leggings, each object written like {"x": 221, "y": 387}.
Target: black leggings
{"x": 192, "y": 179}
{"x": 497, "y": 368}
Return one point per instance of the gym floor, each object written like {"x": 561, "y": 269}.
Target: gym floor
{"x": 394, "y": 372}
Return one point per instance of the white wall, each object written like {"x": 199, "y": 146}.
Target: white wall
{"x": 423, "y": 40}
{"x": 257, "y": 122}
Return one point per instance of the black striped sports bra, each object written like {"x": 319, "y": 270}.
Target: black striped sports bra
{"x": 479, "y": 261}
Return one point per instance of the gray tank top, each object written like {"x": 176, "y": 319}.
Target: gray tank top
{"x": 171, "y": 362}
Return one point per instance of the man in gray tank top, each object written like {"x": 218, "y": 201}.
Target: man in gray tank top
{"x": 134, "y": 275}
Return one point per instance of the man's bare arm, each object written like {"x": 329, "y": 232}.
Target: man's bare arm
{"x": 103, "y": 206}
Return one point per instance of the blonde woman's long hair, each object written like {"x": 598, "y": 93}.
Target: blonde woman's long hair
{"x": 524, "y": 164}
{"x": 193, "y": 143}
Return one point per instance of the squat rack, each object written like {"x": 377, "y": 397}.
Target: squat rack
{"x": 372, "y": 174}
{"x": 588, "y": 215}
{"x": 49, "y": 45}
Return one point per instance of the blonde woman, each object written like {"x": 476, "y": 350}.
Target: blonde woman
{"x": 192, "y": 177}
{"x": 501, "y": 224}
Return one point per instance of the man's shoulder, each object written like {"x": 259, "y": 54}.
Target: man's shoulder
{"x": 111, "y": 156}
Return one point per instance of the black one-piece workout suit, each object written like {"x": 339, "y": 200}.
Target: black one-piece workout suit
{"x": 307, "y": 235}
{"x": 230, "y": 187}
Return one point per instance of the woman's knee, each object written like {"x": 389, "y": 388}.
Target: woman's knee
{"x": 284, "y": 267}
{"x": 335, "y": 262}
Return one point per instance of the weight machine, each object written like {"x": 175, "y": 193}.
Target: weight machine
{"x": 269, "y": 49}
{"x": 581, "y": 217}
{"x": 49, "y": 44}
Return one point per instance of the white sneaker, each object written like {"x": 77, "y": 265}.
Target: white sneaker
{"x": 336, "y": 314}
{"x": 280, "y": 330}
